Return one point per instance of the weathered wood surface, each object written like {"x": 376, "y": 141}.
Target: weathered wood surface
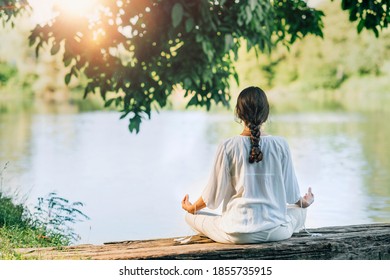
{"x": 364, "y": 242}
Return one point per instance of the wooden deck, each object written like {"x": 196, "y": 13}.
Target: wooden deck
{"x": 364, "y": 242}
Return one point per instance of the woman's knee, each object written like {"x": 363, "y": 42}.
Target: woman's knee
{"x": 298, "y": 217}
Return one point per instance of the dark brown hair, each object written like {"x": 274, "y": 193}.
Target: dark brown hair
{"x": 253, "y": 108}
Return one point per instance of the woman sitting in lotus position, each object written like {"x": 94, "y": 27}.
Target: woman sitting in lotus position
{"x": 254, "y": 179}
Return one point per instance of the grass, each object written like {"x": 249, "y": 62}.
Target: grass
{"x": 48, "y": 225}
{"x": 12, "y": 237}
{"x": 18, "y": 231}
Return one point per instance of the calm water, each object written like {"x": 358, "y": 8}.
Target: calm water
{"x": 132, "y": 185}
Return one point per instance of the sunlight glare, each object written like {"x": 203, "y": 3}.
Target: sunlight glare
{"x": 45, "y": 10}
{"x": 79, "y": 7}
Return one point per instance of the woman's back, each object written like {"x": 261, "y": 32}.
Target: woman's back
{"x": 255, "y": 197}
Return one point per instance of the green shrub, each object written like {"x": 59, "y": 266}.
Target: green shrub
{"x": 11, "y": 214}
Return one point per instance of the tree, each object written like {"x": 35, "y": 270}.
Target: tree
{"x": 137, "y": 51}
{"x": 9, "y": 9}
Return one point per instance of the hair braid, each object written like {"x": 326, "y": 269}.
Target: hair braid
{"x": 256, "y": 154}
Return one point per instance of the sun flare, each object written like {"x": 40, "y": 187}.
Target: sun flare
{"x": 79, "y": 7}
{"x": 45, "y": 10}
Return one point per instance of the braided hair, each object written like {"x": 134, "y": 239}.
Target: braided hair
{"x": 255, "y": 154}
{"x": 253, "y": 108}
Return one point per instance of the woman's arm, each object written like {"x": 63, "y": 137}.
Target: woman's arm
{"x": 192, "y": 208}
{"x": 307, "y": 199}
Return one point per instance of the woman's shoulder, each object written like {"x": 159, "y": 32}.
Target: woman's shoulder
{"x": 233, "y": 140}
{"x": 278, "y": 143}
{"x": 232, "y": 143}
{"x": 275, "y": 140}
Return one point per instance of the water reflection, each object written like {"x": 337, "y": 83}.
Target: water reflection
{"x": 377, "y": 155}
{"x": 132, "y": 184}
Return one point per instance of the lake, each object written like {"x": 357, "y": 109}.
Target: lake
{"x": 132, "y": 185}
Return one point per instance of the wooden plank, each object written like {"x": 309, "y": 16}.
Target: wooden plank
{"x": 364, "y": 242}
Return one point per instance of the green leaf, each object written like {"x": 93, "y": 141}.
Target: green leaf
{"x": 67, "y": 78}
{"x": 118, "y": 100}
{"x": 103, "y": 91}
{"x": 31, "y": 40}
{"x": 55, "y": 49}
{"x": 208, "y": 104}
{"x": 88, "y": 89}
{"x": 360, "y": 25}
{"x": 207, "y": 49}
{"x": 124, "y": 115}
{"x": 73, "y": 71}
{"x": 193, "y": 102}
{"x": 353, "y": 15}
{"x": 177, "y": 14}
{"x": 236, "y": 78}
{"x": 376, "y": 32}
{"x": 189, "y": 24}
{"x": 68, "y": 61}
{"x": 135, "y": 123}
{"x": 37, "y": 48}
{"x": 109, "y": 102}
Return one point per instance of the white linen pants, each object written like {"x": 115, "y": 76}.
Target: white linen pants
{"x": 208, "y": 224}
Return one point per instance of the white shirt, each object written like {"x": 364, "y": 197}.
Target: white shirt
{"x": 254, "y": 196}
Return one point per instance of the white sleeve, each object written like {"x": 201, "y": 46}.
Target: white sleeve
{"x": 290, "y": 180}
{"x": 219, "y": 182}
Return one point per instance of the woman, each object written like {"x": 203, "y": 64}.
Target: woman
{"x": 254, "y": 180}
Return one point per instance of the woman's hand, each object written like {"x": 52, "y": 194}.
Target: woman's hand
{"x": 187, "y": 205}
{"x": 309, "y": 197}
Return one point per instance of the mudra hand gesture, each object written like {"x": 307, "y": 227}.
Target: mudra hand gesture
{"x": 192, "y": 208}
{"x": 309, "y": 196}
{"x": 187, "y": 205}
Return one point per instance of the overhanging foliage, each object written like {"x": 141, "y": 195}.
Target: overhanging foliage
{"x": 137, "y": 51}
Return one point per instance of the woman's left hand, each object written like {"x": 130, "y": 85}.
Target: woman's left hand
{"x": 309, "y": 197}
{"x": 187, "y": 205}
